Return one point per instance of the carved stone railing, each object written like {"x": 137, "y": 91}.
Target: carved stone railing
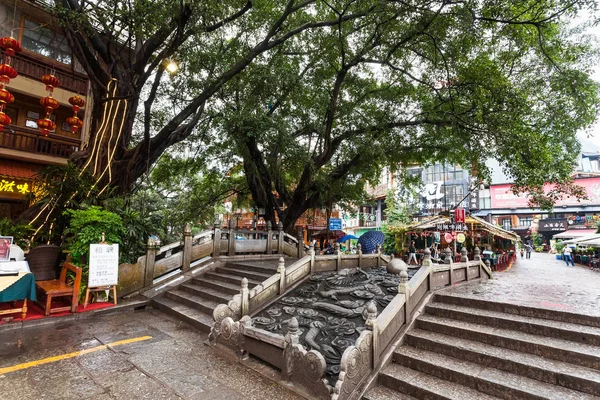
{"x": 359, "y": 361}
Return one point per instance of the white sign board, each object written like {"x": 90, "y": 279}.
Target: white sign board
{"x": 104, "y": 265}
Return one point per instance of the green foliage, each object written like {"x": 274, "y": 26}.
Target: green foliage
{"x": 19, "y": 232}
{"x": 398, "y": 218}
{"x": 538, "y": 239}
{"x": 86, "y": 227}
{"x": 559, "y": 247}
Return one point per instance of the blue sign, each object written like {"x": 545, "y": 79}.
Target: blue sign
{"x": 335, "y": 224}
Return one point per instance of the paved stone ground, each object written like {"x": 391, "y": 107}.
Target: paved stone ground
{"x": 544, "y": 282}
{"x": 174, "y": 364}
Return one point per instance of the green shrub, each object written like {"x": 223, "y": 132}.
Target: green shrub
{"x": 19, "y": 232}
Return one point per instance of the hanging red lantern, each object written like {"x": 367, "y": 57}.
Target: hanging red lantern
{"x": 7, "y": 73}
{"x": 51, "y": 82}
{"x": 49, "y": 103}
{"x": 10, "y": 45}
{"x": 46, "y": 125}
{"x": 75, "y": 123}
{"x": 76, "y": 101}
{"x": 6, "y": 97}
{"x": 4, "y": 120}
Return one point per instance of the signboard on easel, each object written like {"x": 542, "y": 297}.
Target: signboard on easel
{"x": 103, "y": 269}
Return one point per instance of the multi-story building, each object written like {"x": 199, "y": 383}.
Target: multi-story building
{"x": 24, "y": 150}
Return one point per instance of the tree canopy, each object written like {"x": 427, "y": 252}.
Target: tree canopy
{"x": 312, "y": 97}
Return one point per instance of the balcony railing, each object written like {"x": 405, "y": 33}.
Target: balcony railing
{"x": 20, "y": 138}
{"x": 32, "y": 66}
{"x": 367, "y": 223}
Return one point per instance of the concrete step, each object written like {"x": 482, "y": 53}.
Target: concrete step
{"x": 234, "y": 279}
{"x": 516, "y": 309}
{"x": 262, "y": 267}
{"x": 558, "y": 349}
{"x": 478, "y": 377}
{"x": 192, "y": 300}
{"x": 223, "y": 287}
{"x": 258, "y": 276}
{"x": 424, "y": 386}
{"x": 384, "y": 393}
{"x": 207, "y": 293}
{"x": 528, "y": 365}
{"x": 537, "y": 326}
{"x": 194, "y": 317}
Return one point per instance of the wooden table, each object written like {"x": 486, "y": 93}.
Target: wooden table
{"x": 15, "y": 288}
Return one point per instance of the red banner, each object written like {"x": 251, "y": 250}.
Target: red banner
{"x": 503, "y": 197}
{"x": 459, "y": 216}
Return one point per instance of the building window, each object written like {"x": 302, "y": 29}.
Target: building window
{"x": 525, "y": 221}
{"x": 46, "y": 42}
{"x": 506, "y": 225}
{"x": 31, "y": 121}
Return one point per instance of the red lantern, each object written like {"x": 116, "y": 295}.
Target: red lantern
{"x": 76, "y": 101}
{"x": 51, "y": 82}
{"x": 4, "y": 120}
{"x": 6, "y": 97}
{"x": 10, "y": 45}
{"x": 46, "y": 125}
{"x": 49, "y": 103}
{"x": 75, "y": 123}
{"x": 7, "y": 73}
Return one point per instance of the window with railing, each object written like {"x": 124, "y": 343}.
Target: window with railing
{"x": 506, "y": 224}
{"x": 48, "y": 43}
{"x": 525, "y": 221}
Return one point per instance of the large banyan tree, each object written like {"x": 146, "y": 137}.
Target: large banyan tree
{"x": 313, "y": 97}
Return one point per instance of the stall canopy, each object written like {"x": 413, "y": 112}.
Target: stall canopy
{"x": 574, "y": 233}
{"x": 473, "y": 222}
{"x": 588, "y": 240}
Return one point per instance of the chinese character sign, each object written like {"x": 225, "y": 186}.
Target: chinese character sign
{"x": 104, "y": 265}
{"x": 15, "y": 187}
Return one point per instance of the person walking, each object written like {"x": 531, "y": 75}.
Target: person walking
{"x": 528, "y": 249}
{"x": 567, "y": 255}
{"x": 412, "y": 253}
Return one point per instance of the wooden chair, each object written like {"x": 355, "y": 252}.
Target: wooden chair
{"x": 43, "y": 262}
{"x": 59, "y": 288}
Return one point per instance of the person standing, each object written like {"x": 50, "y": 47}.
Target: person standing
{"x": 567, "y": 255}
{"x": 528, "y": 249}
{"x": 412, "y": 253}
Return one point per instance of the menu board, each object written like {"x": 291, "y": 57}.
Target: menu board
{"x": 5, "y": 243}
{"x": 104, "y": 265}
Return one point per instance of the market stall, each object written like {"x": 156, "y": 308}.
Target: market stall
{"x": 496, "y": 244}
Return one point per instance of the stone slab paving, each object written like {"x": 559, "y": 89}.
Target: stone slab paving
{"x": 174, "y": 364}
{"x": 542, "y": 282}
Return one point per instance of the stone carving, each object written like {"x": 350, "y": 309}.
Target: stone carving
{"x": 355, "y": 365}
{"x": 230, "y": 333}
{"x": 232, "y": 310}
{"x": 330, "y": 310}
{"x": 306, "y": 368}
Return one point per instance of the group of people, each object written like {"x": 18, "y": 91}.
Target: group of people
{"x": 526, "y": 250}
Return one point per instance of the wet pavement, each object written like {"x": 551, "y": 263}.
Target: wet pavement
{"x": 543, "y": 282}
{"x": 173, "y": 364}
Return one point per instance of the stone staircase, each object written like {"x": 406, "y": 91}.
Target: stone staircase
{"x": 463, "y": 348}
{"x": 195, "y": 300}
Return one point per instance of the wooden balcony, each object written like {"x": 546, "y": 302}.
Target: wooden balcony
{"x": 34, "y": 66}
{"x": 31, "y": 141}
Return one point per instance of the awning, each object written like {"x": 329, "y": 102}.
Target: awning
{"x": 583, "y": 239}
{"x": 18, "y": 170}
{"x": 472, "y": 222}
{"x": 574, "y": 233}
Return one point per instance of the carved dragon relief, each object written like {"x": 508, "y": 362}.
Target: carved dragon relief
{"x": 355, "y": 366}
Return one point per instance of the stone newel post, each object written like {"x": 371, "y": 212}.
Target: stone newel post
{"x": 463, "y": 255}
{"x": 269, "y": 237}
{"x": 187, "y": 247}
{"x": 231, "y": 246}
{"x": 281, "y": 272}
{"x": 151, "y": 251}
{"x": 217, "y": 238}
{"x": 245, "y": 297}
{"x": 477, "y": 254}
{"x": 371, "y": 324}
{"x": 279, "y": 238}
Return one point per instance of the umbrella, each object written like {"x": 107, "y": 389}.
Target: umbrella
{"x": 346, "y": 238}
{"x": 369, "y": 241}
{"x": 332, "y": 234}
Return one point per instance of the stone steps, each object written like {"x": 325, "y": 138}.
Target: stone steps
{"x": 528, "y": 365}
{"x": 195, "y": 300}
{"x": 464, "y": 348}
{"x": 264, "y": 267}
{"x": 257, "y": 276}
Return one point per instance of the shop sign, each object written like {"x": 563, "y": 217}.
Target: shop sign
{"x": 553, "y": 225}
{"x": 459, "y": 215}
{"x": 14, "y": 187}
{"x": 335, "y": 224}
{"x": 583, "y": 221}
{"x": 460, "y": 238}
{"x": 452, "y": 227}
{"x": 104, "y": 265}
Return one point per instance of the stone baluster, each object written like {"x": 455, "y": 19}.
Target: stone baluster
{"x": 281, "y": 272}
{"x": 359, "y": 251}
{"x": 476, "y": 254}
{"x": 187, "y": 247}
{"x": 245, "y": 297}
{"x": 291, "y": 338}
{"x": 338, "y": 259}
{"x": 317, "y": 248}
{"x": 151, "y": 252}
{"x": 463, "y": 255}
{"x": 378, "y": 252}
{"x": 404, "y": 289}
{"x": 231, "y": 243}
{"x": 427, "y": 258}
{"x": 448, "y": 256}
{"x": 300, "y": 238}
{"x": 371, "y": 324}
{"x": 269, "y": 237}
{"x": 279, "y": 238}
{"x": 311, "y": 251}
{"x": 217, "y": 238}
